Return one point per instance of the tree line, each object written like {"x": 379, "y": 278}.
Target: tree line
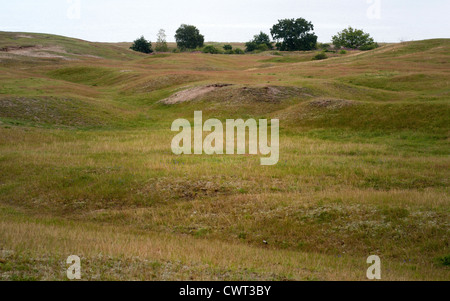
{"x": 287, "y": 35}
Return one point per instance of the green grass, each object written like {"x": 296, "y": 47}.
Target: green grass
{"x": 85, "y": 153}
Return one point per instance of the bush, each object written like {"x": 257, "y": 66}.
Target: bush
{"x": 343, "y": 51}
{"x": 260, "y": 42}
{"x": 227, "y": 47}
{"x": 262, "y": 47}
{"x": 142, "y": 45}
{"x": 320, "y": 56}
{"x": 210, "y": 49}
{"x": 238, "y": 51}
{"x": 250, "y": 46}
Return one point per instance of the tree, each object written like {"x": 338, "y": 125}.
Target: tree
{"x": 294, "y": 35}
{"x": 161, "y": 43}
{"x": 142, "y": 45}
{"x": 353, "y": 38}
{"x": 257, "y": 42}
{"x": 189, "y": 37}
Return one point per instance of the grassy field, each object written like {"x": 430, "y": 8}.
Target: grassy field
{"x": 86, "y": 167}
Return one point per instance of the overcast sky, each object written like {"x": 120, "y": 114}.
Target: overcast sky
{"x": 225, "y": 20}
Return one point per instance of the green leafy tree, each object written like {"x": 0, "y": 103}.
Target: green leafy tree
{"x": 257, "y": 42}
{"x": 161, "y": 43}
{"x": 189, "y": 37}
{"x": 353, "y": 38}
{"x": 142, "y": 45}
{"x": 294, "y": 35}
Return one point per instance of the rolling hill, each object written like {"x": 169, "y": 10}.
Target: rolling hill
{"x": 86, "y": 166}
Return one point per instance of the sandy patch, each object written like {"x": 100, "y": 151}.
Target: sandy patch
{"x": 191, "y": 94}
{"x": 24, "y": 36}
{"x": 36, "y": 51}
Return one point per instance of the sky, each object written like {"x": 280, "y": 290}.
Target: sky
{"x": 225, "y": 20}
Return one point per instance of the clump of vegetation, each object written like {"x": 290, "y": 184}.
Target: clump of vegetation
{"x": 294, "y": 35}
{"x": 238, "y": 51}
{"x": 228, "y": 49}
{"x": 320, "y": 56}
{"x": 354, "y": 39}
{"x": 444, "y": 260}
{"x": 142, "y": 45}
{"x": 161, "y": 43}
{"x": 189, "y": 37}
{"x": 210, "y": 49}
{"x": 343, "y": 51}
{"x": 261, "y": 42}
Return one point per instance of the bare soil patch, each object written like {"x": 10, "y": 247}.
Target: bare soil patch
{"x": 191, "y": 94}
{"x": 36, "y": 51}
{"x": 232, "y": 94}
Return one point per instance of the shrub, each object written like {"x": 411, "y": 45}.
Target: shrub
{"x": 343, "y": 51}
{"x": 238, "y": 51}
{"x": 210, "y": 49}
{"x": 320, "y": 56}
{"x": 142, "y": 45}
{"x": 227, "y": 47}
{"x": 262, "y": 47}
{"x": 257, "y": 43}
{"x": 250, "y": 46}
